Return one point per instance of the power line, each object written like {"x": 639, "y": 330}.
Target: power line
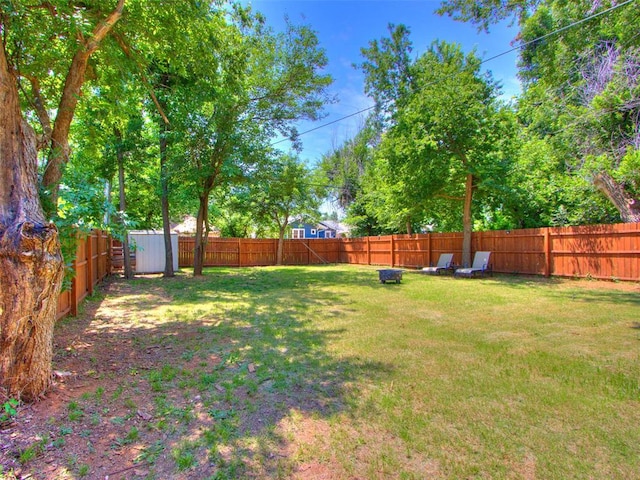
{"x": 327, "y": 124}
{"x": 562, "y": 29}
{"x": 519, "y": 47}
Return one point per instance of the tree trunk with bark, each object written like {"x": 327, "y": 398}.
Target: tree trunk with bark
{"x": 31, "y": 266}
{"x": 467, "y": 219}
{"x": 409, "y": 228}
{"x": 164, "y": 202}
{"x": 126, "y": 253}
{"x": 280, "y": 249}
{"x": 201, "y": 239}
{"x": 627, "y": 206}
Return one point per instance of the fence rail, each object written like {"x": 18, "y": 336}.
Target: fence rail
{"x": 91, "y": 265}
{"x": 597, "y": 251}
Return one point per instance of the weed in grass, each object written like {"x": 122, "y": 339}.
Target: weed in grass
{"x": 95, "y": 419}
{"x": 117, "y": 392}
{"x": 207, "y": 380}
{"x": 132, "y": 435}
{"x": 187, "y": 355}
{"x": 118, "y": 420}
{"x": 84, "y": 470}
{"x": 150, "y": 453}
{"x": 29, "y": 453}
{"x": 32, "y": 451}
{"x": 74, "y": 412}
{"x": 184, "y": 455}
{"x": 9, "y": 410}
{"x": 59, "y": 442}
{"x": 72, "y": 461}
{"x": 99, "y": 393}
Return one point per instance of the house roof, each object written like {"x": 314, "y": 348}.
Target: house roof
{"x": 333, "y": 225}
{"x": 188, "y": 226}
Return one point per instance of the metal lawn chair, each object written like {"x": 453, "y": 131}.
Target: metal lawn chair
{"x": 480, "y": 266}
{"x": 445, "y": 262}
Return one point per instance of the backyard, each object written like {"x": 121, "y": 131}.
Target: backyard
{"x": 322, "y": 372}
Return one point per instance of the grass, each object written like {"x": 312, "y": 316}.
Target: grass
{"x": 272, "y": 371}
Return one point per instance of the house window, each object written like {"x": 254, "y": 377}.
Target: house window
{"x": 297, "y": 233}
{"x": 313, "y": 231}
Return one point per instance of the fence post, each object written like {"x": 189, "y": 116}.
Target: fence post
{"x": 89, "y": 254}
{"x": 547, "y": 253}
{"x": 393, "y": 251}
{"x": 239, "y": 252}
{"x": 368, "y": 250}
{"x": 73, "y": 300}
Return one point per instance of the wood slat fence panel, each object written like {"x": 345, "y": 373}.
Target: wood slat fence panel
{"x": 91, "y": 266}
{"x": 259, "y": 252}
{"x": 598, "y": 251}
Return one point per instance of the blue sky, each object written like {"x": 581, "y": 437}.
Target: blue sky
{"x": 345, "y": 26}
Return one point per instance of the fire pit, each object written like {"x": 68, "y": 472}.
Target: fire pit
{"x": 390, "y": 274}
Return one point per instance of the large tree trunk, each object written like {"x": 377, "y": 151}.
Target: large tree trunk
{"x": 164, "y": 202}
{"x": 126, "y": 256}
{"x": 627, "y": 206}
{"x": 467, "y": 225}
{"x": 31, "y": 266}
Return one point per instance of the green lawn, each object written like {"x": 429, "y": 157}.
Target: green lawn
{"x": 323, "y": 372}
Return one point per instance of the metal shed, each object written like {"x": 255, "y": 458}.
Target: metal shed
{"x": 149, "y": 248}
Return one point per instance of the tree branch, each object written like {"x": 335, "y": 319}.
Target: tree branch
{"x": 59, "y": 148}
{"x": 128, "y": 52}
{"x": 39, "y": 107}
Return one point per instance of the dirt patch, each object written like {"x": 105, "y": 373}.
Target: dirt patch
{"x": 138, "y": 393}
{"x": 90, "y": 422}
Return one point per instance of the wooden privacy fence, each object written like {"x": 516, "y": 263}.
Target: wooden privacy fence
{"x": 251, "y": 252}
{"x": 597, "y": 251}
{"x": 91, "y": 265}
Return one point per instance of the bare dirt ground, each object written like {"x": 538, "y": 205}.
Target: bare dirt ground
{"x": 54, "y": 439}
{"x": 100, "y": 419}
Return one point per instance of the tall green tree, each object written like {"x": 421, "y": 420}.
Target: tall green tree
{"x": 261, "y": 83}
{"x": 49, "y": 51}
{"x": 344, "y": 166}
{"x": 37, "y": 40}
{"x": 447, "y": 135}
{"x": 281, "y": 191}
{"x": 581, "y": 93}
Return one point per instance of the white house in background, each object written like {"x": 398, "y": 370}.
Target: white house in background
{"x": 188, "y": 227}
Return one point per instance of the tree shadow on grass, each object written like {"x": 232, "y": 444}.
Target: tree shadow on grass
{"x": 210, "y": 377}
